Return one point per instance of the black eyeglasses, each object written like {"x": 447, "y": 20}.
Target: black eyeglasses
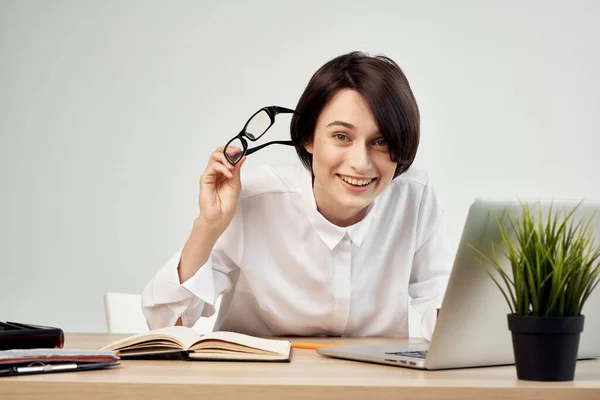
{"x": 255, "y": 127}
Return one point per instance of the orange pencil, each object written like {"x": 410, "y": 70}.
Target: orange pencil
{"x": 309, "y": 346}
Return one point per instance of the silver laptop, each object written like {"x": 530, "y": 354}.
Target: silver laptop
{"x": 472, "y": 328}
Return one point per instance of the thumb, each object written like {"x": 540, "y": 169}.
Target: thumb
{"x": 237, "y": 169}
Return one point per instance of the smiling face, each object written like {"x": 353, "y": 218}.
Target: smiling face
{"x": 350, "y": 159}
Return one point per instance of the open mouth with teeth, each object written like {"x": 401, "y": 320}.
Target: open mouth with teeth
{"x": 363, "y": 182}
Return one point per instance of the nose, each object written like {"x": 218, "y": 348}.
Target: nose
{"x": 359, "y": 158}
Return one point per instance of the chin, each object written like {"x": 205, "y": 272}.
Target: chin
{"x": 356, "y": 204}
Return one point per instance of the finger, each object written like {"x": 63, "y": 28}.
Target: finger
{"x": 220, "y": 157}
{"x": 215, "y": 169}
{"x": 238, "y": 167}
{"x": 223, "y": 170}
{"x": 231, "y": 150}
{"x": 234, "y": 152}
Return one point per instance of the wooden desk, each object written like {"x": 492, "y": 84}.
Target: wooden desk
{"x": 308, "y": 376}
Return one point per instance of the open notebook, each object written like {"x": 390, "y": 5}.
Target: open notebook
{"x": 223, "y": 345}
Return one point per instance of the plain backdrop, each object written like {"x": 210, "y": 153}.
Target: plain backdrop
{"x": 109, "y": 110}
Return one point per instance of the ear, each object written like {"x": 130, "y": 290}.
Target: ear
{"x": 309, "y": 147}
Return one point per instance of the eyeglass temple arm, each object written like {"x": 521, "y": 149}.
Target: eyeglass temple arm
{"x": 280, "y": 110}
{"x": 254, "y": 149}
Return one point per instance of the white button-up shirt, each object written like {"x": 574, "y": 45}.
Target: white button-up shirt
{"x": 283, "y": 269}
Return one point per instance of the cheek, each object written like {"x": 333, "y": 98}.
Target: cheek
{"x": 327, "y": 156}
{"x": 386, "y": 168}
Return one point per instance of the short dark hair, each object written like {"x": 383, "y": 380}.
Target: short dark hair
{"x": 382, "y": 84}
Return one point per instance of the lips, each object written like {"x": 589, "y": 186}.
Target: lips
{"x": 356, "y": 181}
{"x": 362, "y": 184}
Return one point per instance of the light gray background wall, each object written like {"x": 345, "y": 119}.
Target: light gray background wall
{"x": 108, "y": 111}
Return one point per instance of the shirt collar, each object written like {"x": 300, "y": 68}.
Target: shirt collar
{"x": 332, "y": 234}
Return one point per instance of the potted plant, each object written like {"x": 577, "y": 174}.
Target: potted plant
{"x": 554, "y": 267}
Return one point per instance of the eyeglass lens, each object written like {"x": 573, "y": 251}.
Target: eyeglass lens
{"x": 235, "y": 157}
{"x": 258, "y": 125}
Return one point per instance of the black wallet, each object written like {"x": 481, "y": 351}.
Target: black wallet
{"x": 14, "y": 335}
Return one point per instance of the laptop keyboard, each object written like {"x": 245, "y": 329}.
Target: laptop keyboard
{"x": 415, "y": 354}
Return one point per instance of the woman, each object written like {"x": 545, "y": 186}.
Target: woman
{"x": 331, "y": 248}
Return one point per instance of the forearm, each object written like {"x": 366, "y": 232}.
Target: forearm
{"x": 196, "y": 250}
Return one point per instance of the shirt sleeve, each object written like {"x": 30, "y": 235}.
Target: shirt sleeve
{"x": 165, "y": 299}
{"x": 432, "y": 262}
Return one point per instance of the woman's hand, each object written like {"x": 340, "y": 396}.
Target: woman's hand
{"x": 220, "y": 189}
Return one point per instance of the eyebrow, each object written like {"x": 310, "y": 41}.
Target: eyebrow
{"x": 349, "y": 126}
{"x": 342, "y": 123}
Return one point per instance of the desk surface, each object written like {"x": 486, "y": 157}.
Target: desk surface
{"x": 309, "y": 375}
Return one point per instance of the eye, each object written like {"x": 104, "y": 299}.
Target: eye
{"x": 380, "y": 142}
{"x": 340, "y": 136}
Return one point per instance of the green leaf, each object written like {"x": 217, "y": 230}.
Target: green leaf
{"x": 555, "y": 264}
